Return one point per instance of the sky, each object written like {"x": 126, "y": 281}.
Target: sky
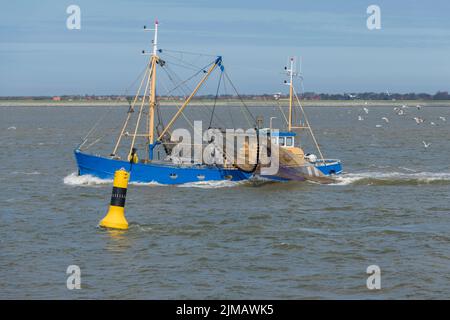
{"x": 39, "y": 55}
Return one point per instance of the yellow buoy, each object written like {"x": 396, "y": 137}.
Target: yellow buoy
{"x": 115, "y": 218}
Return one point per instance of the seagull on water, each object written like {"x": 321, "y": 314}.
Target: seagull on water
{"x": 418, "y": 120}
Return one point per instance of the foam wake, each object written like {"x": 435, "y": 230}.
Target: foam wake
{"x": 74, "y": 179}
{"x": 212, "y": 184}
{"x": 393, "y": 178}
{"x": 360, "y": 178}
{"x": 26, "y": 173}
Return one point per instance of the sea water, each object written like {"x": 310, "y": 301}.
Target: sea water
{"x": 229, "y": 240}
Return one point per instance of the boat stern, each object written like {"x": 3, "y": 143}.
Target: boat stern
{"x": 329, "y": 166}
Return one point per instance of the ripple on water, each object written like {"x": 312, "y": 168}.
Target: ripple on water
{"x": 228, "y": 240}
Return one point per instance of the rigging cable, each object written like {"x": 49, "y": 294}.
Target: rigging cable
{"x": 307, "y": 123}
{"x": 189, "y": 52}
{"x": 215, "y": 100}
{"x": 101, "y": 118}
{"x": 131, "y": 109}
{"x": 182, "y": 82}
{"x": 228, "y": 100}
{"x": 242, "y": 101}
{"x": 183, "y": 87}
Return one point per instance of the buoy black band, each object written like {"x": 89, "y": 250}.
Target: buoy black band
{"x": 118, "y": 196}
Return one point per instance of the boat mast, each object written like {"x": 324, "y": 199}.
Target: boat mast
{"x": 292, "y": 94}
{"x": 151, "y": 118}
{"x": 290, "y": 72}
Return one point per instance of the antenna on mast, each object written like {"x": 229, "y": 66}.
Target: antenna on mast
{"x": 291, "y": 73}
{"x": 155, "y": 39}
{"x": 151, "y": 85}
{"x": 291, "y": 70}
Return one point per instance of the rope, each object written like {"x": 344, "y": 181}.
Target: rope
{"x": 307, "y": 123}
{"x": 182, "y": 82}
{"x": 228, "y": 100}
{"x": 131, "y": 109}
{"x": 282, "y": 112}
{"x": 215, "y": 99}
{"x": 92, "y": 129}
{"x": 189, "y": 52}
{"x": 108, "y": 113}
{"x": 138, "y": 120}
{"x": 192, "y": 66}
{"x": 133, "y": 83}
{"x": 183, "y": 87}
{"x": 242, "y": 101}
{"x": 182, "y": 113}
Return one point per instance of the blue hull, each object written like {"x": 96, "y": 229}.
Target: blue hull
{"x": 168, "y": 173}
{"x": 330, "y": 167}
{"x": 164, "y": 173}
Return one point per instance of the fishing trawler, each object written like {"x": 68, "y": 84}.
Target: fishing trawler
{"x": 160, "y": 165}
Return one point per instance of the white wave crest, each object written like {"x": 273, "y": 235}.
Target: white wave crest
{"x": 419, "y": 177}
{"x": 151, "y": 183}
{"x": 26, "y": 173}
{"x": 214, "y": 184}
{"x": 371, "y": 177}
{"x": 74, "y": 179}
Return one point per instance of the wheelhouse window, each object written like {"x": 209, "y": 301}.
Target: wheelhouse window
{"x": 281, "y": 141}
{"x": 289, "y": 141}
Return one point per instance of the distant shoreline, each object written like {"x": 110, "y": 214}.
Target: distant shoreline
{"x": 233, "y": 103}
